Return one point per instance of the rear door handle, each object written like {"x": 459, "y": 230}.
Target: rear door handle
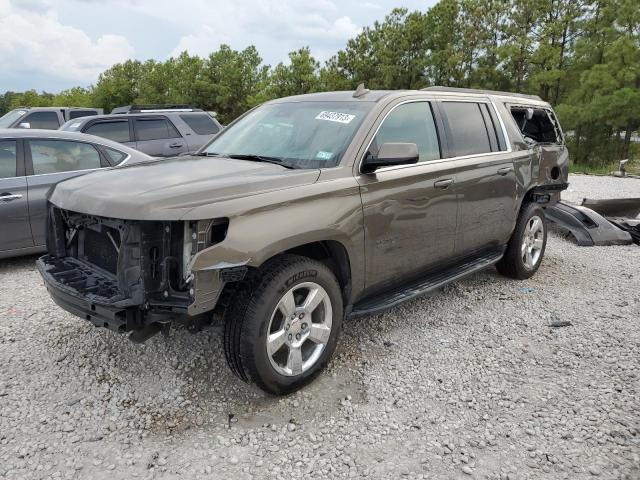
{"x": 8, "y": 197}
{"x": 505, "y": 170}
{"x": 444, "y": 183}
{"x": 175, "y": 145}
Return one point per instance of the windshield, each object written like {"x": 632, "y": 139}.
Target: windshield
{"x": 298, "y": 134}
{"x": 9, "y": 119}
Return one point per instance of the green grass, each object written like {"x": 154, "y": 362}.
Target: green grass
{"x": 592, "y": 169}
{"x": 632, "y": 167}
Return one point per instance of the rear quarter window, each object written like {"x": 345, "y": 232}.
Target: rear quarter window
{"x": 201, "y": 123}
{"x": 115, "y": 156}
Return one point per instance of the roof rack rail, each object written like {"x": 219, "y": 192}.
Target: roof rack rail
{"x": 156, "y": 108}
{"x": 486, "y": 92}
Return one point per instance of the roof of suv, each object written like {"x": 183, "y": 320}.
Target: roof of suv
{"x": 117, "y": 116}
{"x": 378, "y": 95}
{"x": 56, "y": 109}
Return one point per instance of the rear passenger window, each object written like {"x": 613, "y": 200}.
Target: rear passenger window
{"x": 155, "y": 129}
{"x": 55, "y": 156}
{"x": 8, "y": 159}
{"x": 116, "y": 131}
{"x": 201, "y": 123}
{"x": 46, "y": 120}
{"x": 468, "y": 128}
{"x": 410, "y": 123}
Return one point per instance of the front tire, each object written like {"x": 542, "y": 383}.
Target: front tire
{"x": 527, "y": 244}
{"x": 283, "y": 324}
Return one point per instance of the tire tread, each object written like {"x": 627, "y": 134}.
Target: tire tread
{"x": 239, "y": 337}
{"x": 510, "y": 265}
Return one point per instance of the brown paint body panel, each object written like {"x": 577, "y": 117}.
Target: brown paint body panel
{"x": 393, "y": 223}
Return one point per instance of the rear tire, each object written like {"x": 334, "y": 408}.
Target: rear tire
{"x": 283, "y": 324}
{"x": 526, "y": 247}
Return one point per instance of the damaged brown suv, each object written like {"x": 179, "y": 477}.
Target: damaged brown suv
{"x": 305, "y": 211}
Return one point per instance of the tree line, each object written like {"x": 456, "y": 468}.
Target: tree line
{"x": 582, "y": 56}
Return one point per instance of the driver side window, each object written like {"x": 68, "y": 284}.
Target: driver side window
{"x": 410, "y": 123}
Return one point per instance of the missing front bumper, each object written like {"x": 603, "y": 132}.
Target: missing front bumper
{"x": 89, "y": 294}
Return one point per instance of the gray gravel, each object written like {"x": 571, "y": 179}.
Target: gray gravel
{"x": 600, "y": 186}
{"x": 471, "y": 382}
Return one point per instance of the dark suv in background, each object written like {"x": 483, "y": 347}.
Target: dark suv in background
{"x": 157, "y": 130}
{"x": 47, "y": 118}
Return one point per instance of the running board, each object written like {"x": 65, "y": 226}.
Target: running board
{"x": 426, "y": 284}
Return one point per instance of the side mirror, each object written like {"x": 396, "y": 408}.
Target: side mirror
{"x": 24, "y": 125}
{"x": 391, "y": 154}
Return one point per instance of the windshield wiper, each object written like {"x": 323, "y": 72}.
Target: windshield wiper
{"x": 208, "y": 154}
{"x": 259, "y": 158}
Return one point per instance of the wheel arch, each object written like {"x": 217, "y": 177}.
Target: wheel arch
{"x": 333, "y": 254}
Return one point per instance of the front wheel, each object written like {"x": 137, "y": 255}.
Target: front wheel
{"x": 283, "y": 324}
{"x": 527, "y": 244}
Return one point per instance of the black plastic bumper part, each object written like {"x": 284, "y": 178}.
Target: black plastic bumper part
{"x": 77, "y": 288}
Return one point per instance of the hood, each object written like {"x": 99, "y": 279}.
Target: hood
{"x": 167, "y": 189}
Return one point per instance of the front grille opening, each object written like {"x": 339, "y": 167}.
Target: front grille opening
{"x": 101, "y": 247}
{"x": 154, "y": 262}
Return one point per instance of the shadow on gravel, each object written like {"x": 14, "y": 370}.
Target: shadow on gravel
{"x": 9, "y": 264}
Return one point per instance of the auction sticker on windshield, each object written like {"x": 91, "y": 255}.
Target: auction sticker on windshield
{"x": 335, "y": 117}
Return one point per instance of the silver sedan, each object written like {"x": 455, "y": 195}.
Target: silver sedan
{"x": 31, "y": 161}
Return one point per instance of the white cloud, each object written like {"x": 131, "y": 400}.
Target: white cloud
{"x": 38, "y": 43}
{"x": 204, "y": 41}
{"x": 55, "y": 44}
{"x": 276, "y": 28}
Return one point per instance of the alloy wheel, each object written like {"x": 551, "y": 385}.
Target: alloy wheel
{"x": 532, "y": 242}
{"x": 299, "y": 329}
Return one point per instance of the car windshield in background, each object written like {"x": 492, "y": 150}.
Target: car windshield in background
{"x": 298, "y": 134}
{"x": 8, "y": 119}
{"x": 71, "y": 125}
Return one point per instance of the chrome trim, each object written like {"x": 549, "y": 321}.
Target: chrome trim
{"x": 68, "y": 171}
{"x": 126, "y": 159}
{"x": 8, "y": 198}
{"x": 503, "y": 126}
{"x": 439, "y": 160}
{"x": 83, "y": 170}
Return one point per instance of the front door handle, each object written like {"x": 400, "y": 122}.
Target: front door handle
{"x": 175, "y": 145}
{"x": 505, "y": 170}
{"x": 8, "y": 197}
{"x": 444, "y": 183}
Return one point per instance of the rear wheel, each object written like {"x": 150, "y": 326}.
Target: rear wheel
{"x": 527, "y": 244}
{"x": 283, "y": 324}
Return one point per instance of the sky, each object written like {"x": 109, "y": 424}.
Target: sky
{"x": 56, "y": 44}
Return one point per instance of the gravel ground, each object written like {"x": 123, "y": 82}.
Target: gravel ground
{"x": 471, "y": 382}
{"x": 599, "y": 186}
